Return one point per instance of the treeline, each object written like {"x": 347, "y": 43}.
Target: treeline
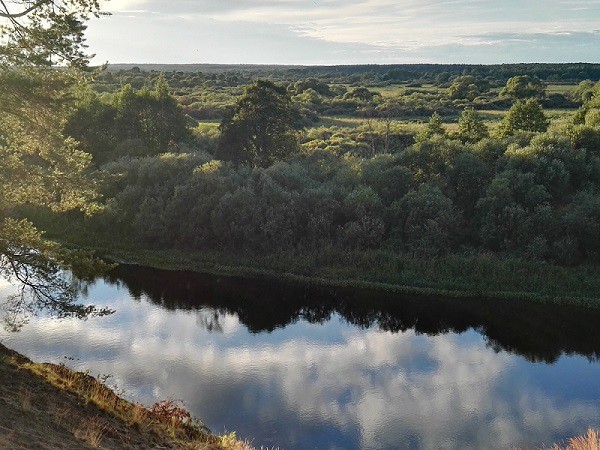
{"x": 368, "y": 74}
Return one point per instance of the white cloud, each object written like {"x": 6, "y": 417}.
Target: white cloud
{"x": 316, "y": 31}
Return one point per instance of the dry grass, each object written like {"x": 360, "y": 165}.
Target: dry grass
{"x": 92, "y": 431}
{"x": 61, "y": 414}
{"x": 84, "y": 412}
{"x": 139, "y": 415}
{"x": 591, "y": 441}
{"x": 230, "y": 441}
{"x": 166, "y": 418}
{"x": 26, "y": 397}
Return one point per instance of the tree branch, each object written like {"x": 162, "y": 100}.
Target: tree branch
{"x": 8, "y": 15}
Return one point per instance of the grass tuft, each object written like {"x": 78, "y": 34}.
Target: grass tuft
{"x": 591, "y": 441}
{"x": 26, "y": 397}
{"x": 92, "y": 431}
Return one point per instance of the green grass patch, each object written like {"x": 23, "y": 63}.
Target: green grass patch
{"x": 564, "y": 89}
{"x": 457, "y": 276}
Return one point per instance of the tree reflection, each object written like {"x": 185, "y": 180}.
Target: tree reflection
{"x": 41, "y": 286}
{"x": 209, "y": 321}
{"x": 538, "y": 332}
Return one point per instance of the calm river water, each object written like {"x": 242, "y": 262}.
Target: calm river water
{"x": 304, "y": 368}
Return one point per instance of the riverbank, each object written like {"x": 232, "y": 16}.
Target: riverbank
{"x": 480, "y": 276}
{"x": 47, "y": 406}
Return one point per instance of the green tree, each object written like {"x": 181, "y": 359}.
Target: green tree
{"x": 45, "y": 32}
{"x": 523, "y": 87}
{"x": 137, "y": 123}
{"x": 301, "y": 86}
{"x": 153, "y": 116}
{"x": 471, "y": 127}
{"x": 435, "y": 127}
{"x": 386, "y": 177}
{"x": 467, "y": 177}
{"x": 582, "y": 221}
{"x": 466, "y": 87}
{"x": 39, "y": 166}
{"x": 92, "y": 124}
{"x": 524, "y": 116}
{"x": 589, "y": 113}
{"x": 424, "y": 221}
{"x": 515, "y": 210}
{"x": 262, "y": 127}
{"x": 360, "y": 93}
{"x": 584, "y": 91}
{"x": 163, "y": 121}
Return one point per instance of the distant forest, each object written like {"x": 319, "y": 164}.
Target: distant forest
{"x": 393, "y": 73}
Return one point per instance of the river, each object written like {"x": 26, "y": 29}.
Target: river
{"x": 328, "y": 368}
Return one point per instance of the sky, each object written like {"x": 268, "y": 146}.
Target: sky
{"x": 313, "y": 32}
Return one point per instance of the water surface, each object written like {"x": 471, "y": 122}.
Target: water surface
{"x": 326, "y": 368}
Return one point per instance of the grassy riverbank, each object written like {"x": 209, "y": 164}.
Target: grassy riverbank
{"x": 480, "y": 275}
{"x": 46, "y": 406}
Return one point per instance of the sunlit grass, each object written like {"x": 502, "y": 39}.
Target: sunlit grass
{"x": 208, "y": 123}
{"x": 591, "y": 441}
{"x": 91, "y": 431}
{"x": 163, "y": 419}
{"x": 564, "y": 89}
{"x": 482, "y": 275}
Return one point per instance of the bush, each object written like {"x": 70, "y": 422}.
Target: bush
{"x": 425, "y": 221}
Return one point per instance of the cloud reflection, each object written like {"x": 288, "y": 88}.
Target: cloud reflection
{"x": 311, "y": 385}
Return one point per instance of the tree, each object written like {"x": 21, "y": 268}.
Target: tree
{"x": 39, "y": 166}
{"x": 360, "y": 93}
{"x": 435, "y": 127}
{"x": 513, "y": 211}
{"x": 524, "y": 86}
{"x": 524, "y": 116}
{"x": 92, "y": 124}
{"x": 425, "y": 221}
{"x": 584, "y": 91}
{"x": 470, "y": 126}
{"x": 466, "y": 87}
{"x": 161, "y": 120}
{"x": 142, "y": 123}
{"x": 262, "y": 128}
{"x": 45, "y": 32}
{"x": 301, "y": 86}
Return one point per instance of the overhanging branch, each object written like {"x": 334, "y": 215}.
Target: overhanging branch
{"x": 8, "y": 15}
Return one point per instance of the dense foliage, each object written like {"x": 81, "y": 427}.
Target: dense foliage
{"x": 276, "y": 176}
{"x": 530, "y": 194}
{"x": 128, "y": 123}
{"x": 261, "y": 128}
{"x": 211, "y": 92}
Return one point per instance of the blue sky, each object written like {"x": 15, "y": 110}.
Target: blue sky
{"x": 347, "y": 31}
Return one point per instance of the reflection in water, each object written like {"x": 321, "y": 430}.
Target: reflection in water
{"x": 537, "y": 332}
{"x": 327, "y": 368}
{"x": 40, "y": 286}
